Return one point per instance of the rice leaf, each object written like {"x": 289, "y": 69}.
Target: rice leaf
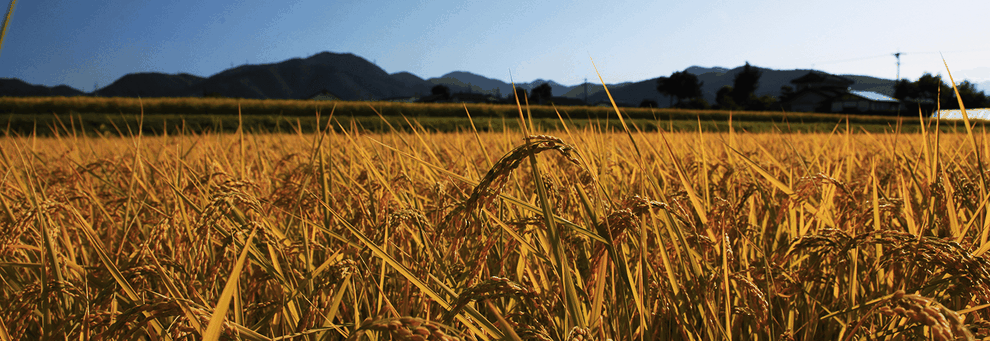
{"x": 214, "y": 328}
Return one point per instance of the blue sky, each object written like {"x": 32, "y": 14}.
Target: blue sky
{"x": 87, "y": 43}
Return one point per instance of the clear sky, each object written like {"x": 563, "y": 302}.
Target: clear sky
{"x": 85, "y": 43}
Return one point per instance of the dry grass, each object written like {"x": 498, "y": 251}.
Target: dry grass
{"x": 419, "y": 236}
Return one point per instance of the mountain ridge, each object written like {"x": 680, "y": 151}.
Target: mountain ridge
{"x": 351, "y": 77}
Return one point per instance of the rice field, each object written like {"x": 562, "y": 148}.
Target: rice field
{"x": 526, "y": 234}
{"x": 119, "y": 116}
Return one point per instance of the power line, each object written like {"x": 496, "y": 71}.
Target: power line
{"x": 903, "y": 53}
{"x": 896, "y": 55}
{"x": 849, "y": 60}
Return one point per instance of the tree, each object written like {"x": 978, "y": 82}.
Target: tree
{"x": 930, "y": 91}
{"x": 905, "y": 89}
{"x": 929, "y": 87}
{"x": 695, "y": 103}
{"x": 724, "y": 99}
{"x": 744, "y": 85}
{"x": 681, "y": 84}
{"x": 648, "y": 103}
{"x": 441, "y": 90}
{"x": 762, "y": 103}
{"x": 664, "y": 89}
{"x": 971, "y": 97}
{"x": 521, "y": 94}
{"x": 927, "y": 92}
{"x": 541, "y": 93}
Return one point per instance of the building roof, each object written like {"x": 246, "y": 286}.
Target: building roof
{"x": 973, "y": 114}
{"x": 818, "y": 77}
{"x": 323, "y": 95}
{"x": 873, "y": 96}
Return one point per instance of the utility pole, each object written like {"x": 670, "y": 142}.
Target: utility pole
{"x": 898, "y": 56}
{"x": 585, "y": 90}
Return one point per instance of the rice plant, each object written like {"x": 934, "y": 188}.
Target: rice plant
{"x": 582, "y": 233}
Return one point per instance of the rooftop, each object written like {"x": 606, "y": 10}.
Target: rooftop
{"x": 873, "y": 96}
{"x": 974, "y": 114}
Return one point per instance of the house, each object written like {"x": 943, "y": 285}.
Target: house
{"x": 815, "y": 90}
{"x": 323, "y": 95}
{"x": 401, "y": 99}
{"x": 822, "y": 92}
{"x": 816, "y": 100}
{"x": 460, "y": 97}
{"x": 982, "y": 114}
{"x": 821, "y": 81}
{"x": 567, "y": 101}
{"x": 471, "y": 97}
{"x": 618, "y": 104}
{"x": 864, "y": 101}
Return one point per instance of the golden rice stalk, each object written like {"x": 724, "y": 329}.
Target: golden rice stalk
{"x": 491, "y": 185}
{"x": 945, "y": 324}
{"x": 407, "y": 328}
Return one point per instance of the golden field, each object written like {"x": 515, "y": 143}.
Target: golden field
{"x": 117, "y": 115}
{"x": 574, "y": 234}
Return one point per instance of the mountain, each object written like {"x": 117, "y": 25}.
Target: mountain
{"x": 17, "y": 87}
{"x": 149, "y": 84}
{"x": 630, "y": 94}
{"x": 557, "y": 88}
{"x": 769, "y": 84}
{"x": 578, "y": 91}
{"x": 350, "y": 77}
{"x": 715, "y": 78}
{"x": 345, "y": 75}
{"x": 418, "y": 85}
{"x": 459, "y": 81}
{"x": 697, "y": 70}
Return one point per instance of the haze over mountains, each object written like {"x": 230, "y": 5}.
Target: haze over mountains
{"x": 350, "y": 77}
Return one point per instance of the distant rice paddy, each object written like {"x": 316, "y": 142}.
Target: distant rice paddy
{"x": 118, "y": 116}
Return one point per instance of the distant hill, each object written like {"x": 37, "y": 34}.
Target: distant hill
{"x": 579, "y": 90}
{"x": 458, "y": 81}
{"x": 350, "y": 77}
{"x": 556, "y": 87}
{"x": 17, "y": 87}
{"x": 345, "y": 75}
{"x": 715, "y": 78}
{"x": 769, "y": 84}
{"x": 630, "y": 94}
{"x": 697, "y": 70}
{"x": 418, "y": 85}
{"x": 149, "y": 84}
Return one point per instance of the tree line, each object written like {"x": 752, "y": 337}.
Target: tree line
{"x": 684, "y": 90}
{"x": 930, "y": 91}
{"x": 540, "y": 94}
{"x": 741, "y": 95}
{"x": 926, "y": 92}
